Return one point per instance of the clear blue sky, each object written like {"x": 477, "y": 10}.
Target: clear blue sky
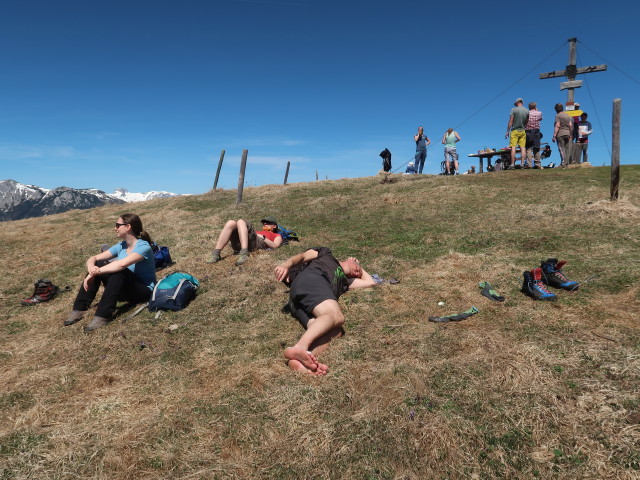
{"x": 145, "y": 94}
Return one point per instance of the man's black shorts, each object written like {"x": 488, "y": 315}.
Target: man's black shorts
{"x": 309, "y": 289}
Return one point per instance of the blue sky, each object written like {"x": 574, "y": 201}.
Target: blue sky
{"x": 145, "y": 94}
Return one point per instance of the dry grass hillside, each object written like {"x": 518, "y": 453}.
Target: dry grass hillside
{"x": 523, "y": 389}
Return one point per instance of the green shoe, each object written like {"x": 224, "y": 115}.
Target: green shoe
{"x": 488, "y": 291}
{"x": 244, "y": 256}
{"x": 214, "y": 257}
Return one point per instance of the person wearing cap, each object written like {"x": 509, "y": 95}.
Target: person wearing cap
{"x": 411, "y": 169}
{"x": 563, "y": 133}
{"x": 516, "y": 133}
{"x": 244, "y": 239}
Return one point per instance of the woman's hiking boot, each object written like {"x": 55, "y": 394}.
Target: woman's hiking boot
{"x": 535, "y": 288}
{"x": 243, "y": 257}
{"x": 214, "y": 257}
{"x": 96, "y": 323}
{"x": 553, "y": 276}
{"x": 74, "y": 317}
{"x": 43, "y": 292}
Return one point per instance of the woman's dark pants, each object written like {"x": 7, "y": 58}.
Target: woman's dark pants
{"x": 118, "y": 286}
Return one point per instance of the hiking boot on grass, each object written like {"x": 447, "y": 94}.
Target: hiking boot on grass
{"x": 553, "y": 276}
{"x": 535, "y": 288}
{"x": 96, "y": 323}
{"x": 43, "y": 292}
{"x": 74, "y": 317}
{"x": 214, "y": 257}
{"x": 244, "y": 256}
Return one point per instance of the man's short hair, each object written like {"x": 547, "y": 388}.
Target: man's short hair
{"x": 584, "y": 114}
{"x": 559, "y": 107}
{"x": 532, "y": 105}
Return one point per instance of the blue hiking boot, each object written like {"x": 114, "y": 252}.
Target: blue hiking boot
{"x": 553, "y": 276}
{"x": 533, "y": 286}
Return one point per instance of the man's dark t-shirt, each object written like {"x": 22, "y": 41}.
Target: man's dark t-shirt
{"x": 328, "y": 266}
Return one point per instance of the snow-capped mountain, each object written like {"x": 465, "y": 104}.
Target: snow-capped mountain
{"x": 127, "y": 196}
{"x": 18, "y": 201}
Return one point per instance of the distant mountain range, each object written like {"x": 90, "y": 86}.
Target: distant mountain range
{"x": 18, "y": 201}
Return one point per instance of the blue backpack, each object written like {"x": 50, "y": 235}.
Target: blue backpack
{"x": 161, "y": 255}
{"x": 173, "y": 292}
{"x": 287, "y": 235}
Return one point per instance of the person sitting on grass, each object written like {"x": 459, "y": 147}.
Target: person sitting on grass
{"x": 316, "y": 280}
{"x": 131, "y": 276}
{"x": 245, "y": 239}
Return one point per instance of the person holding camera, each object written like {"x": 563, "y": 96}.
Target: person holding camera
{"x": 422, "y": 142}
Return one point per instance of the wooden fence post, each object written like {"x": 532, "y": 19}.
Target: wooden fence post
{"x": 286, "y": 174}
{"x": 243, "y": 166}
{"x": 316, "y": 175}
{"x": 215, "y": 183}
{"x": 615, "y": 149}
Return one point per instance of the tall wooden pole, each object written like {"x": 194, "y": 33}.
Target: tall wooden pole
{"x": 286, "y": 174}
{"x": 243, "y": 166}
{"x": 215, "y": 183}
{"x": 316, "y": 175}
{"x": 615, "y": 148}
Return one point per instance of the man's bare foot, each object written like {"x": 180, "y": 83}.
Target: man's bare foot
{"x": 298, "y": 367}
{"x": 322, "y": 369}
{"x": 307, "y": 359}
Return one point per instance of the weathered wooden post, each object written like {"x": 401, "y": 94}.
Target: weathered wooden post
{"x": 615, "y": 149}
{"x": 215, "y": 182}
{"x": 286, "y": 174}
{"x": 243, "y": 166}
{"x": 316, "y": 175}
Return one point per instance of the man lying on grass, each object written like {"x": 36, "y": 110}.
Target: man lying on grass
{"x": 316, "y": 280}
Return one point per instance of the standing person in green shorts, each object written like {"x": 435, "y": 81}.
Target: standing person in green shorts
{"x": 516, "y": 133}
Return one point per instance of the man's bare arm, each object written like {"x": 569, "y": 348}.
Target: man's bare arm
{"x": 282, "y": 270}
{"x": 364, "y": 281}
{"x": 509, "y": 125}
{"x": 272, "y": 243}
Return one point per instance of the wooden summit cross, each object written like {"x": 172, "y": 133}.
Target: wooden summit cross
{"x": 570, "y": 72}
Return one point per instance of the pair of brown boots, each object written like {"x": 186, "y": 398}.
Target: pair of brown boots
{"x": 76, "y": 315}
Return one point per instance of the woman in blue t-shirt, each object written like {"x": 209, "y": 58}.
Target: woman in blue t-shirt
{"x": 127, "y": 271}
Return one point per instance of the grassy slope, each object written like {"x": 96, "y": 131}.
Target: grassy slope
{"x": 521, "y": 390}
